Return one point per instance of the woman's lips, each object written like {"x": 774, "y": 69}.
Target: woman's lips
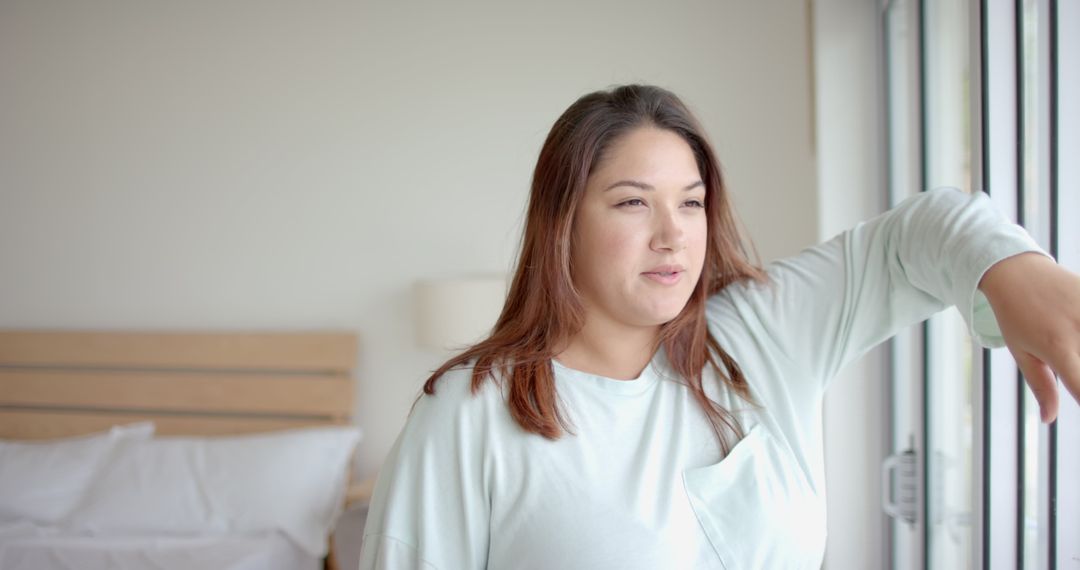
{"x": 665, "y": 278}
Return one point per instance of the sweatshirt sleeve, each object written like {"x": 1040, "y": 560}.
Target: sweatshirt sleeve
{"x": 430, "y": 507}
{"x": 831, "y": 303}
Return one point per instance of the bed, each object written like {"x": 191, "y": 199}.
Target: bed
{"x": 136, "y": 449}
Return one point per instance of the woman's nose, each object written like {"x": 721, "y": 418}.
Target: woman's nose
{"x": 668, "y": 233}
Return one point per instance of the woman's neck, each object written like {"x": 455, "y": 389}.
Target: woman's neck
{"x": 609, "y": 350}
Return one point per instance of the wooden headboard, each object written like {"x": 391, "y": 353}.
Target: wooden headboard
{"x": 65, "y": 383}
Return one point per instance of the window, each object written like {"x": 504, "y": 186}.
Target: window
{"x": 984, "y": 95}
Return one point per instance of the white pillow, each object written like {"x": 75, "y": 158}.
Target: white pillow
{"x": 293, "y": 481}
{"x": 42, "y": 481}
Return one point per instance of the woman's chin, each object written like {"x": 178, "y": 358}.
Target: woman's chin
{"x": 662, "y": 316}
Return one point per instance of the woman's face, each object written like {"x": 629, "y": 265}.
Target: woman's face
{"x": 640, "y": 230}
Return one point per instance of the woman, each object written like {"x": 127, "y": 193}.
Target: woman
{"x": 649, "y": 398}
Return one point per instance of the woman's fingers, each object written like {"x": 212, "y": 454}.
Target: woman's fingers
{"x": 1043, "y": 384}
{"x": 1069, "y": 371}
{"x": 1037, "y": 304}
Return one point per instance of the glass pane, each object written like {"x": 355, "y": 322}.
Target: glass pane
{"x": 902, "y": 74}
{"x": 1067, "y": 499}
{"x": 1036, "y": 216}
{"x": 950, "y": 414}
{"x": 1031, "y": 481}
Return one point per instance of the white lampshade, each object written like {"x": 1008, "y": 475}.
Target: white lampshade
{"x": 453, "y": 313}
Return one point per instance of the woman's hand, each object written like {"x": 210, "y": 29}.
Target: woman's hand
{"x": 1037, "y": 306}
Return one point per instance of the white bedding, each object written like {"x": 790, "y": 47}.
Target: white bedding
{"x": 30, "y": 547}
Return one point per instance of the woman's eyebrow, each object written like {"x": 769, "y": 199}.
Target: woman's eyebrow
{"x": 645, "y": 186}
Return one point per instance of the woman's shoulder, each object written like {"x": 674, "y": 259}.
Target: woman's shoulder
{"x": 747, "y": 291}
{"x": 453, "y": 395}
{"x": 782, "y": 280}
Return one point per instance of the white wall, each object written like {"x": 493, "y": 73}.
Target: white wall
{"x": 851, "y": 181}
{"x": 297, "y": 165}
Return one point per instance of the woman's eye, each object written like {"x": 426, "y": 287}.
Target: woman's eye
{"x": 695, "y": 203}
{"x": 631, "y": 202}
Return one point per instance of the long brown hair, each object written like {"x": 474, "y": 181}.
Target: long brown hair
{"x": 543, "y": 309}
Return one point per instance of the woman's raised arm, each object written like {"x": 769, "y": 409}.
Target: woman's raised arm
{"x": 835, "y": 301}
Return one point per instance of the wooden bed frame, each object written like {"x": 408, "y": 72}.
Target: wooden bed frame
{"x": 67, "y": 383}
